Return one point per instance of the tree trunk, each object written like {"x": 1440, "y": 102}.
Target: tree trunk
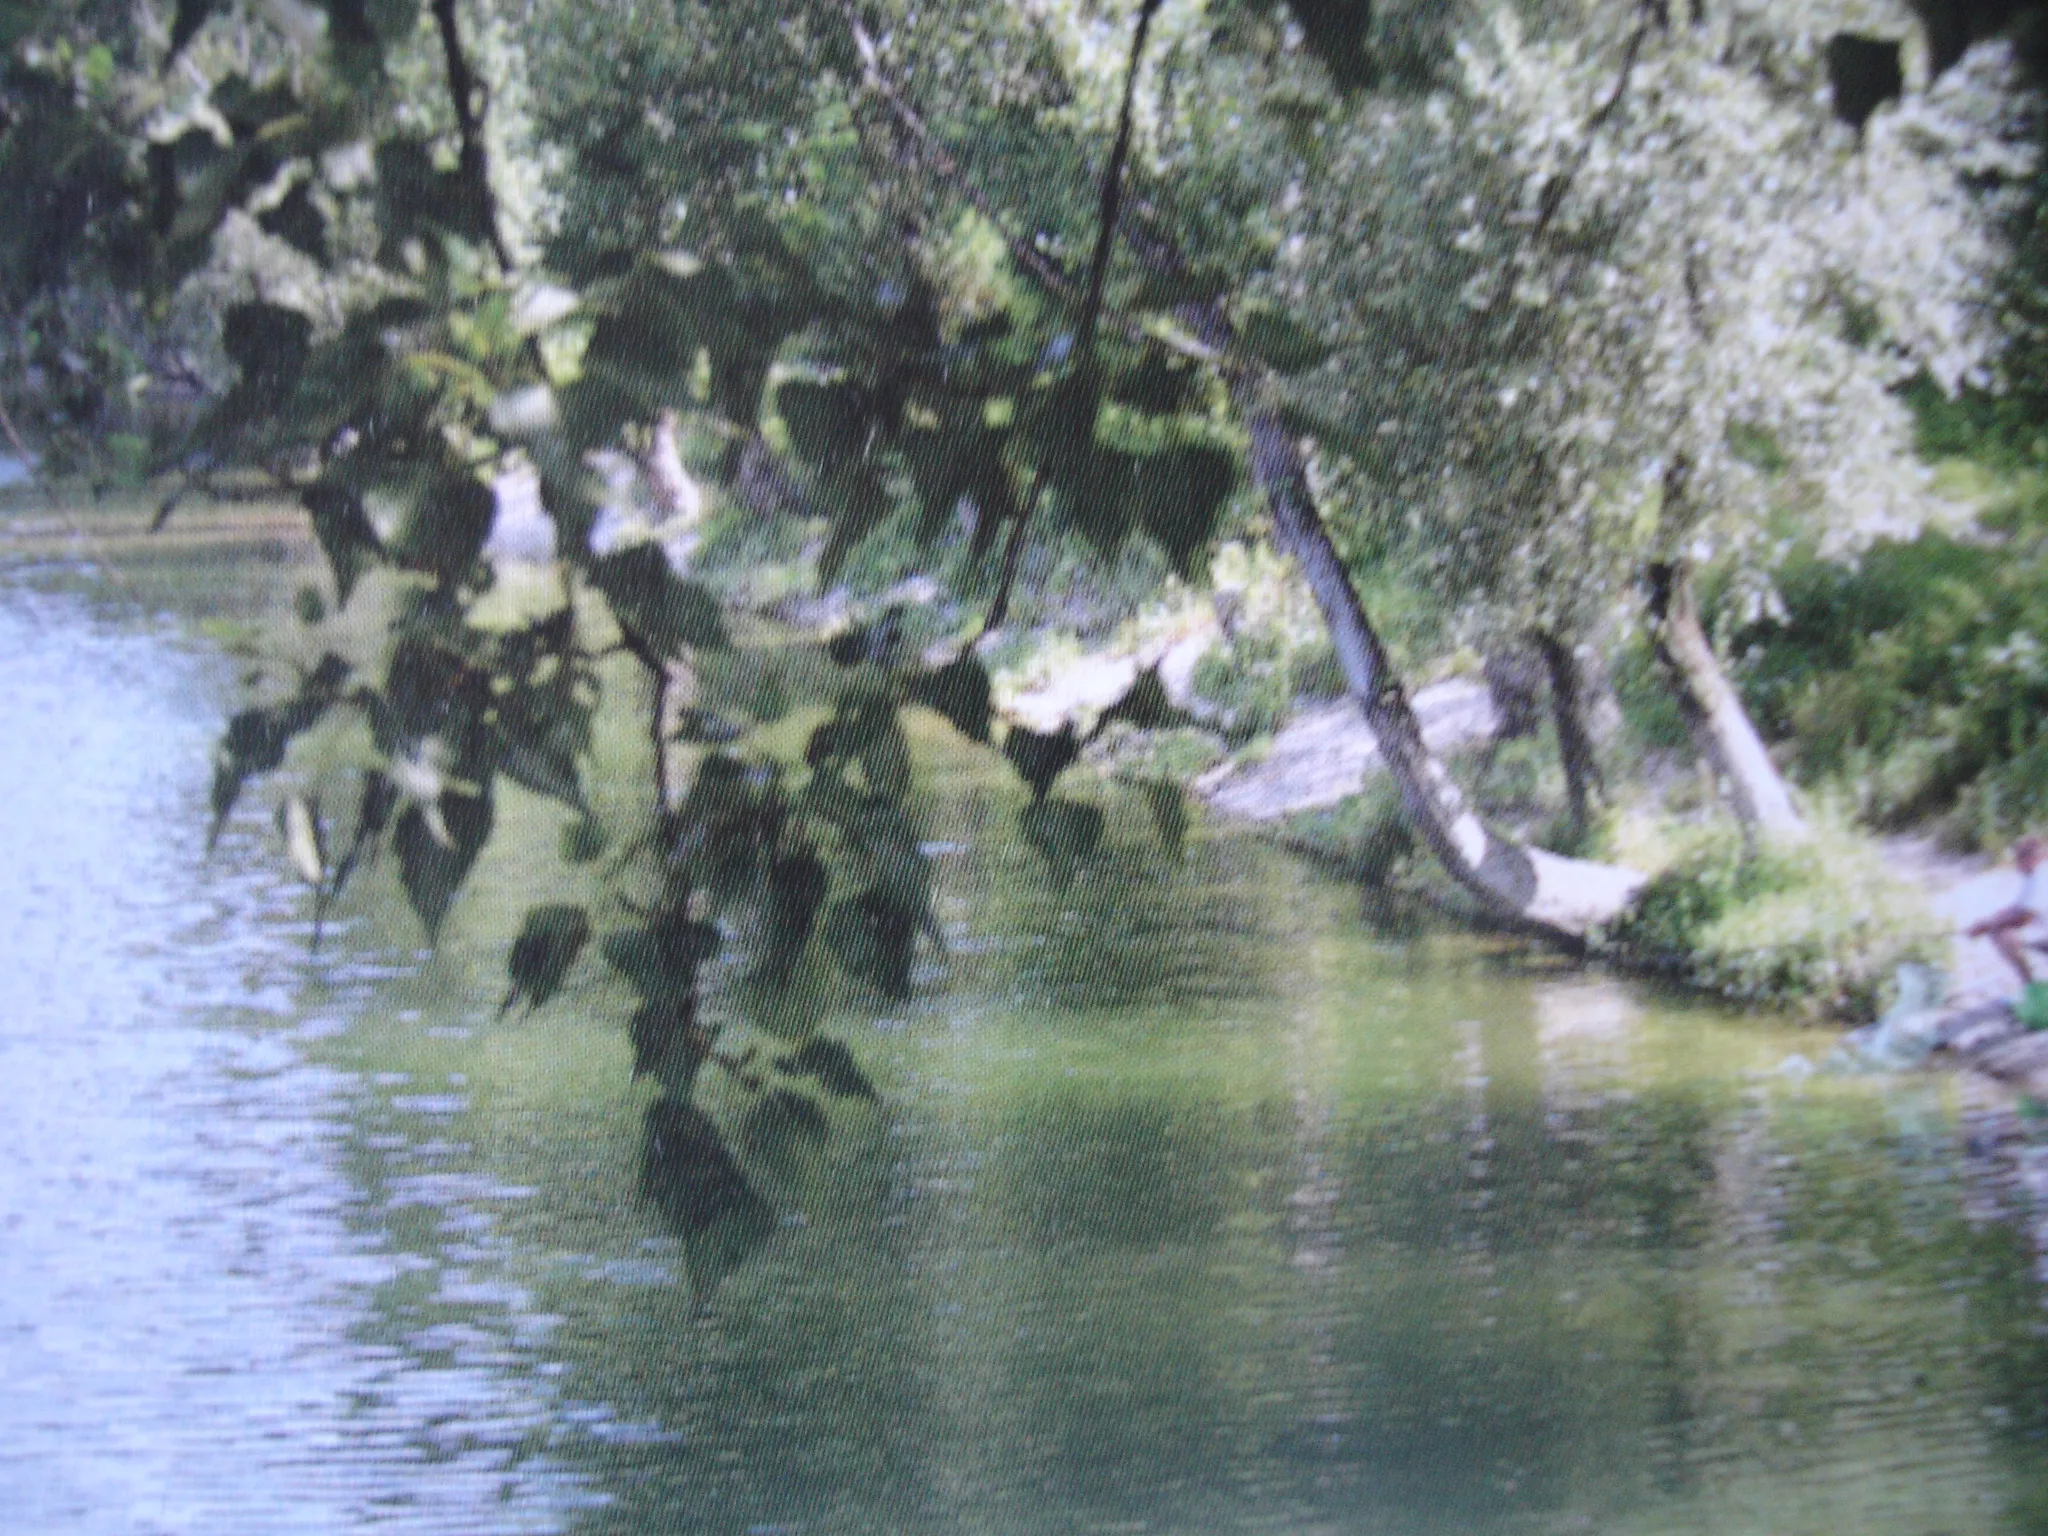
{"x": 1583, "y": 782}
{"x": 1546, "y": 896}
{"x": 1713, "y": 710}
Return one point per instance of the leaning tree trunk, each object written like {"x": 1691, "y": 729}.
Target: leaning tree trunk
{"x": 1584, "y": 786}
{"x": 1721, "y": 727}
{"x": 1545, "y": 895}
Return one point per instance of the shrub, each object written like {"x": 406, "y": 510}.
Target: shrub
{"x": 1916, "y": 679}
{"x": 1821, "y": 927}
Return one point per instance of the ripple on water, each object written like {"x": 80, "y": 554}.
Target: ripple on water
{"x": 184, "y": 1268}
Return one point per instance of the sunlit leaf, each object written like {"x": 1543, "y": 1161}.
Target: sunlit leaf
{"x": 305, "y": 840}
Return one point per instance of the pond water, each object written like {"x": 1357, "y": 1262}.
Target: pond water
{"x": 1189, "y": 1205}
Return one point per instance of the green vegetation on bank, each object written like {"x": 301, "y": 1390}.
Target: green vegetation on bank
{"x": 1910, "y": 678}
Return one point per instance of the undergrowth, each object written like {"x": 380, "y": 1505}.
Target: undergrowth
{"x": 1820, "y": 927}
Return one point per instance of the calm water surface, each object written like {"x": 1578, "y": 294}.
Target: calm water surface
{"x": 1189, "y": 1206}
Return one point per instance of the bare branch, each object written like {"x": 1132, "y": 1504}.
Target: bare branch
{"x": 1091, "y": 303}
{"x": 473, "y": 165}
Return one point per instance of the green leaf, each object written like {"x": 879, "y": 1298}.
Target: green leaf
{"x": 191, "y": 16}
{"x": 961, "y": 457}
{"x": 1168, "y": 804}
{"x": 856, "y": 502}
{"x": 537, "y": 748}
{"x": 1160, "y": 385}
{"x": 270, "y": 344}
{"x": 706, "y": 728}
{"x": 667, "y": 1042}
{"x": 1181, "y": 493}
{"x": 884, "y": 756}
{"x": 344, "y": 531}
{"x": 549, "y": 941}
{"x": 256, "y": 739}
{"x": 725, "y": 826}
{"x": 661, "y": 960}
{"x": 446, "y": 529}
{"x": 797, "y": 883}
{"x": 872, "y": 937}
{"x": 1040, "y": 758}
{"x": 1277, "y": 339}
{"x": 960, "y": 691}
{"x": 832, "y": 1064}
{"x": 431, "y": 871}
{"x": 373, "y": 813}
{"x": 1064, "y": 831}
{"x": 583, "y": 841}
{"x": 686, "y": 1170}
{"x": 782, "y": 1117}
{"x": 829, "y": 424}
{"x": 1144, "y": 706}
{"x": 1098, "y": 495}
{"x": 875, "y": 643}
{"x": 668, "y": 613}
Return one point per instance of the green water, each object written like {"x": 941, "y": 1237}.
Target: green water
{"x": 1189, "y": 1205}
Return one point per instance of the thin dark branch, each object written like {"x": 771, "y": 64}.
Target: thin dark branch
{"x": 1091, "y": 306}
{"x": 940, "y": 159}
{"x": 473, "y": 164}
{"x": 1113, "y": 187}
{"x": 1013, "y": 557}
{"x": 1556, "y": 190}
{"x": 657, "y": 669}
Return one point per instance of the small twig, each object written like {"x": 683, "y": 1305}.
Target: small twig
{"x": 475, "y": 167}
{"x": 1091, "y": 306}
{"x": 1027, "y": 255}
{"x": 1013, "y": 557}
{"x": 1113, "y": 185}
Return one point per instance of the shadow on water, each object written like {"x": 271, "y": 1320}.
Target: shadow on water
{"x": 1182, "y": 1205}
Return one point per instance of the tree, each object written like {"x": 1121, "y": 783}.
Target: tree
{"x": 1747, "y": 264}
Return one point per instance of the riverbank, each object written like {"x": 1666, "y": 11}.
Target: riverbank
{"x": 1187, "y": 1202}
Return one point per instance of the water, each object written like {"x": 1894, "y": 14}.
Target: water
{"x": 1190, "y": 1206}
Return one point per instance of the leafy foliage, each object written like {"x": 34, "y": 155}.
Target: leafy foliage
{"x": 1915, "y": 677}
{"x": 1823, "y": 929}
{"x": 823, "y": 263}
